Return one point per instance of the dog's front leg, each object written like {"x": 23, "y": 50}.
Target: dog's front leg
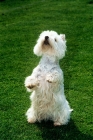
{"x": 31, "y": 83}
{"x": 54, "y": 77}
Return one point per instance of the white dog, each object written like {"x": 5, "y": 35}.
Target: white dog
{"x": 47, "y": 83}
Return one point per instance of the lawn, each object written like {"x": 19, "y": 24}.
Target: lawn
{"x": 21, "y": 22}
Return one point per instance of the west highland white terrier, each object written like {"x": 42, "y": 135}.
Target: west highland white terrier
{"x": 46, "y": 82}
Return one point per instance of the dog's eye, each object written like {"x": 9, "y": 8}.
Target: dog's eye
{"x": 55, "y": 40}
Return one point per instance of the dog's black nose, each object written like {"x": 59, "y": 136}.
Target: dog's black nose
{"x": 46, "y": 37}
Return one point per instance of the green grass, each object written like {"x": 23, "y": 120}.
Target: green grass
{"x": 21, "y": 22}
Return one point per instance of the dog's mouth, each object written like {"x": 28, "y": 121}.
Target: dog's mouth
{"x": 46, "y": 41}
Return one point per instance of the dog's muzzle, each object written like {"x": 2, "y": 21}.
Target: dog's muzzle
{"x": 46, "y": 41}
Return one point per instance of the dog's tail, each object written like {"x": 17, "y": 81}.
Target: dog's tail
{"x": 71, "y": 110}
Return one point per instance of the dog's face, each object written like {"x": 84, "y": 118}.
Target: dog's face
{"x": 50, "y": 43}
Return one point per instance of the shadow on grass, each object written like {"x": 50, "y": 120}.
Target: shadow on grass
{"x": 66, "y": 132}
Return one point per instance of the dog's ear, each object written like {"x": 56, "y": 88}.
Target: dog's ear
{"x": 63, "y": 37}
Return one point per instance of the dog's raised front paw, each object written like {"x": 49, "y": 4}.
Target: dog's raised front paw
{"x": 49, "y": 78}
{"x": 31, "y": 83}
{"x": 30, "y": 86}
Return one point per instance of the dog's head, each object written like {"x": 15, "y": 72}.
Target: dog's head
{"x": 50, "y": 43}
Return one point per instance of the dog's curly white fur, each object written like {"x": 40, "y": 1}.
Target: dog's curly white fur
{"x": 47, "y": 83}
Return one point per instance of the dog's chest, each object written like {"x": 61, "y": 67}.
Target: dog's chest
{"x": 43, "y": 70}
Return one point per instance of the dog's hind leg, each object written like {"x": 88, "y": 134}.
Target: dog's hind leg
{"x": 62, "y": 118}
{"x": 30, "y": 115}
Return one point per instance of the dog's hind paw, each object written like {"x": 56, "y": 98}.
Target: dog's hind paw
{"x": 31, "y": 120}
{"x": 57, "y": 124}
